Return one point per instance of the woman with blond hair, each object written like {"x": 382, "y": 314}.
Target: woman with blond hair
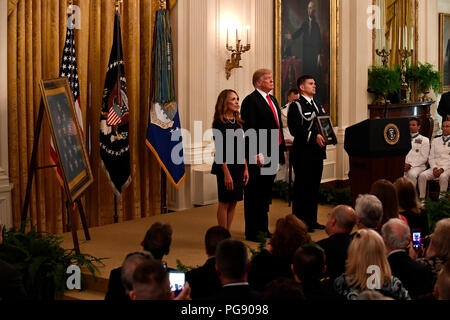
{"x": 232, "y": 175}
{"x": 409, "y": 206}
{"x": 275, "y": 260}
{"x": 368, "y": 268}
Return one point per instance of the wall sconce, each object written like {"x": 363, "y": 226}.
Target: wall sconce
{"x": 233, "y": 62}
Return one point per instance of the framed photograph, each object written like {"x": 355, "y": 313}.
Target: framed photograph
{"x": 444, "y": 50}
{"x": 70, "y": 149}
{"x": 306, "y": 37}
{"x": 326, "y": 130}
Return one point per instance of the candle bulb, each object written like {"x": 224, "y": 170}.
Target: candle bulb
{"x": 227, "y": 37}
{"x": 237, "y": 38}
{"x": 247, "y": 33}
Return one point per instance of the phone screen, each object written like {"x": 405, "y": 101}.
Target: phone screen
{"x": 417, "y": 239}
{"x": 177, "y": 281}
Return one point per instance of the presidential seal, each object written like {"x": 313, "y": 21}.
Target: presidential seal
{"x": 391, "y": 134}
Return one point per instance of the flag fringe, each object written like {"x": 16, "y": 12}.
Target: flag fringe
{"x": 115, "y": 190}
{"x": 176, "y": 185}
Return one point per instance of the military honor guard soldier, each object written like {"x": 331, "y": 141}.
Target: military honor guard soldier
{"x": 439, "y": 161}
{"x": 417, "y": 158}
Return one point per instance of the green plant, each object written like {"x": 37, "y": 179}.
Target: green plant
{"x": 334, "y": 197}
{"x": 42, "y": 261}
{"x": 183, "y": 267}
{"x": 425, "y": 76}
{"x": 262, "y": 241}
{"x": 383, "y": 80}
{"x": 327, "y": 196}
{"x": 437, "y": 209}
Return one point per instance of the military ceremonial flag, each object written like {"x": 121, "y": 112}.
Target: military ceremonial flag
{"x": 164, "y": 129}
{"x": 69, "y": 69}
{"x": 114, "y": 143}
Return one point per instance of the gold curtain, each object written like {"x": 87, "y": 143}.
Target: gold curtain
{"x": 36, "y": 34}
{"x": 398, "y": 15}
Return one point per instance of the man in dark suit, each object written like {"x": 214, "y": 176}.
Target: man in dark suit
{"x": 339, "y": 227}
{"x": 415, "y": 276}
{"x": 444, "y": 106}
{"x": 265, "y": 150}
{"x": 203, "y": 280}
{"x": 308, "y": 152}
{"x": 232, "y": 267}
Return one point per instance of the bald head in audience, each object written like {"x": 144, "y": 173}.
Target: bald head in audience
{"x": 395, "y": 234}
{"x": 342, "y": 220}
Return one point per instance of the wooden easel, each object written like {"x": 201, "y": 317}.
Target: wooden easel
{"x": 31, "y": 171}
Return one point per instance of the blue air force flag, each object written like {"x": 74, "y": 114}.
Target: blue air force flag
{"x": 164, "y": 129}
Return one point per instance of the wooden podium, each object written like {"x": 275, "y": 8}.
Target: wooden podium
{"x": 419, "y": 110}
{"x": 377, "y": 150}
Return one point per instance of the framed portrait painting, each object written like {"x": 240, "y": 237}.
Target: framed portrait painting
{"x": 306, "y": 36}
{"x": 444, "y": 50}
{"x": 65, "y": 131}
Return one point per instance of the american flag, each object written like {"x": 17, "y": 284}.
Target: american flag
{"x": 114, "y": 115}
{"x": 69, "y": 69}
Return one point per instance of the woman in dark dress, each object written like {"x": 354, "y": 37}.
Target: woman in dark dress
{"x": 229, "y": 165}
{"x": 409, "y": 206}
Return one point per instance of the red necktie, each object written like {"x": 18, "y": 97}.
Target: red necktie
{"x": 275, "y": 115}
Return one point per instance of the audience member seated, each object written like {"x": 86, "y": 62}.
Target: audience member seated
{"x": 309, "y": 267}
{"x": 283, "y": 289}
{"x": 443, "y": 283}
{"x": 339, "y": 227}
{"x": 415, "y": 276}
{"x": 203, "y": 280}
{"x": 385, "y": 191}
{"x": 151, "y": 282}
{"x": 438, "y": 251}
{"x": 158, "y": 239}
{"x": 275, "y": 260}
{"x": 372, "y": 295}
{"x": 409, "y": 206}
{"x": 156, "y": 242}
{"x": 232, "y": 269}
{"x": 367, "y": 250}
{"x": 368, "y": 211}
{"x": 11, "y": 286}
{"x": 121, "y": 279}
{"x": 439, "y": 161}
{"x": 417, "y": 158}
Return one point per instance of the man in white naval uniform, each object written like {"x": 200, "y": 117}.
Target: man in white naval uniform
{"x": 439, "y": 161}
{"x": 417, "y": 158}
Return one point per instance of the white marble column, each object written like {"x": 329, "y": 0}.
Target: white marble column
{"x": 5, "y": 186}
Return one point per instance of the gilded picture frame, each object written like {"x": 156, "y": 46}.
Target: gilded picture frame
{"x": 327, "y": 82}
{"x": 67, "y": 138}
{"x": 444, "y": 51}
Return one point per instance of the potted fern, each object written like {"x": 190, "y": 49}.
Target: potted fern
{"x": 382, "y": 82}
{"x": 437, "y": 210}
{"x": 426, "y": 78}
{"x": 42, "y": 261}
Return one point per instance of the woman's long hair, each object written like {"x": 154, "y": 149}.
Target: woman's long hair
{"x": 385, "y": 191}
{"x": 367, "y": 249}
{"x": 221, "y": 107}
{"x": 407, "y": 195}
{"x": 290, "y": 234}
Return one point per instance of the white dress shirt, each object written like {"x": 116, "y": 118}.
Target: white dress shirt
{"x": 440, "y": 153}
